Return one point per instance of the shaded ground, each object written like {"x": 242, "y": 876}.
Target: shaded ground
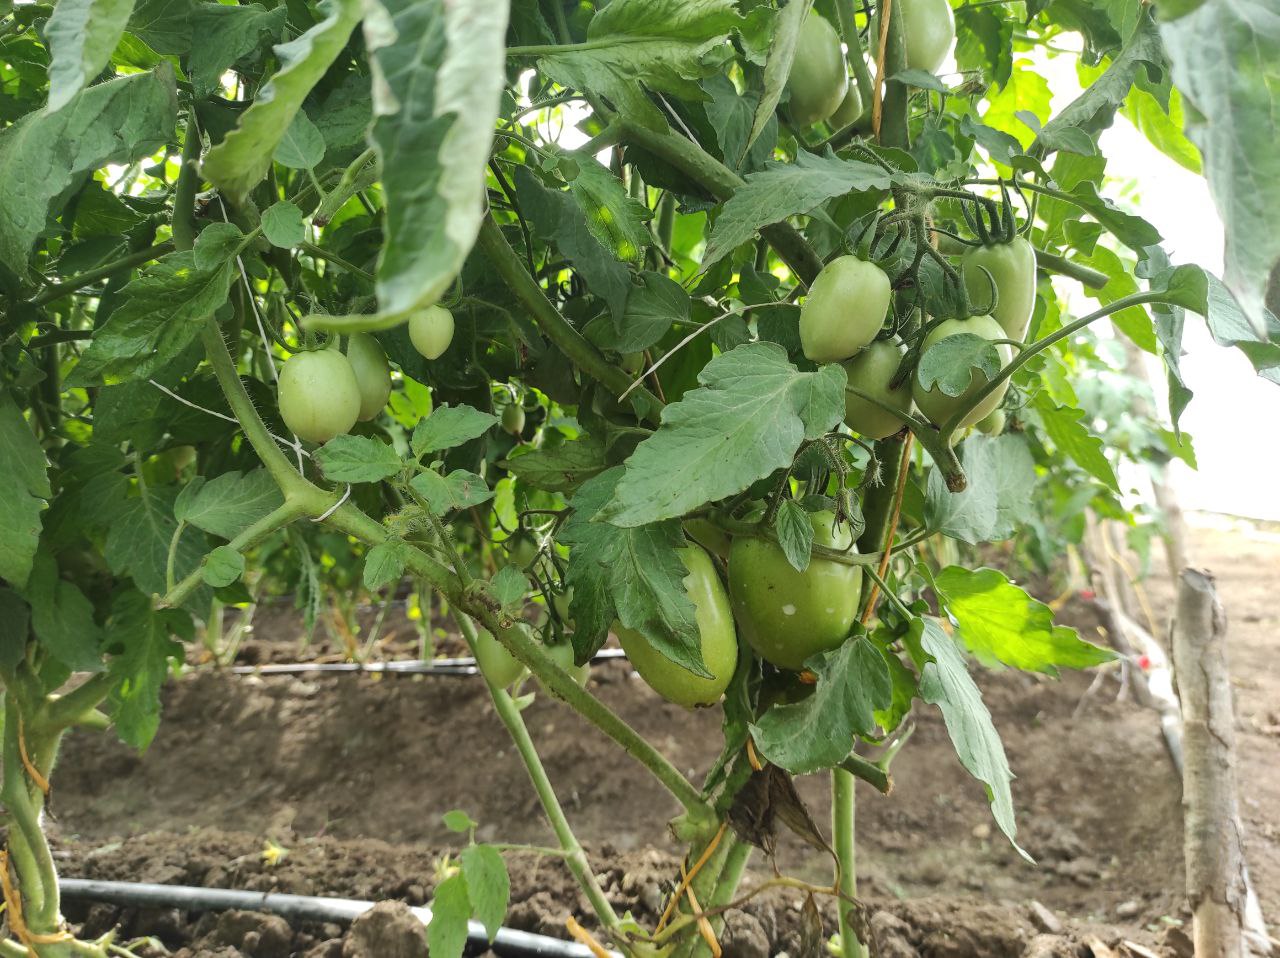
{"x": 351, "y": 774}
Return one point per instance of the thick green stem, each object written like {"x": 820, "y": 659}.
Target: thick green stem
{"x": 319, "y": 252}
{"x": 71, "y": 709}
{"x": 705, "y": 885}
{"x": 877, "y": 503}
{"x": 893, "y": 119}
{"x": 857, "y": 61}
{"x": 556, "y": 328}
{"x": 23, "y": 803}
{"x": 843, "y": 818}
{"x": 574, "y": 856}
{"x": 1053, "y": 263}
{"x": 184, "y": 193}
{"x": 90, "y": 276}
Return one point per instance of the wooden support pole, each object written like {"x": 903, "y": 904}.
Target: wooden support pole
{"x": 1213, "y": 841}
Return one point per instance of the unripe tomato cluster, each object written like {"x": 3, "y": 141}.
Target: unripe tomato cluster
{"x": 324, "y": 393}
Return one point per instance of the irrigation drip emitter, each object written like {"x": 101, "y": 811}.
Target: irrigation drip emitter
{"x": 508, "y": 941}
{"x": 462, "y": 666}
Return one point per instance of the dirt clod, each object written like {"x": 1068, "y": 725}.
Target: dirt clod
{"x": 743, "y": 936}
{"x": 388, "y": 930}
{"x": 257, "y": 935}
{"x": 1044, "y": 919}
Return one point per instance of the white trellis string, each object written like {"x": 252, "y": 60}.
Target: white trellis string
{"x": 334, "y": 508}
{"x": 220, "y": 415}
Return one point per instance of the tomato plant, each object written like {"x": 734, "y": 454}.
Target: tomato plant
{"x": 613, "y": 279}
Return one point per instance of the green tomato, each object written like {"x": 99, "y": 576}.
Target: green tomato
{"x": 318, "y": 395}
{"x": 522, "y": 550}
{"x": 431, "y": 331}
{"x": 871, "y": 371}
{"x": 993, "y": 423}
{"x": 513, "y": 419}
{"x": 719, "y": 641}
{"x": 929, "y": 29}
{"x": 850, "y": 110}
{"x": 937, "y": 405}
{"x": 562, "y": 654}
{"x": 788, "y": 616}
{"x": 708, "y": 535}
{"x": 562, "y": 602}
{"x": 818, "y": 79}
{"x": 373, "y": 373}
{"x": 844, "y": 310}
{"x": 1012, "y": 267}
{"x": 498, "y": 665}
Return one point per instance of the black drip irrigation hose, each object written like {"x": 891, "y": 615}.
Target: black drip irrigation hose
{"x": 463, "y": 666}
{"x": 508, "y": 941}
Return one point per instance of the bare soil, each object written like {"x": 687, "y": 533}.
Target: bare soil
{"x": 347, "y": 777}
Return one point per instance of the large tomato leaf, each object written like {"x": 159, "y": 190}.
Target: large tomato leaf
{"x": 140, "y": 640}
{"x": 1226, "y": 60}
{"x": 242, "y": 159}
{"x": 946, "y": 683}
{"x": 749, "y": 417}
{"x": 998, "y": 499}
{"x": 42, "y": 154}
{"x": 818, "y": 732}
{"x": 995, "y": 619}
{"x": 81, "y": 35}
{"x": 24, "y": 487}
{"x": 632, "y": 574}
{"x": 786, "y": 189}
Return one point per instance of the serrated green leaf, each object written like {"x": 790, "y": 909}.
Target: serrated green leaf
{"x": 449, "y": 426}
{"x": 818, "y": 732}
{"x": 438, "y": 71}
{"x": 138, "y": 541}
{"x": 24, "y": 485}
{"x": 1095, "y": 108}
{"x": 43, "y": 153}
{"x": 1066, "y": 430}
{"x": 62, "y": 618}
{"x": 664, "y": 44}
{"x": 995, "y": 619}
{"x": 795, "y": 533}
{"x": 615, "y": 219}
{"x": 450, "y": 913}
{"x": 227, "y": 33}
{"x": 385, "y": 563}
{"x": 653, "y": 307}
{"x": 951, "y": 361}
{"x": 142, "y": 637}
{"x": 160, "y": 28}
{"x": 163, "y": 313}
{"x": 946, "y": 683}
{"x": 242, "y": 159}
{"x": 786, "y": 189}
{"x": 560, "y": 468}
{"x": 488, "y": 887}
{"x": 998, "y": 499}
{"x": 283, "y": 226}
{"x": 223, "y": 566}
{"x": 81, "y": 35}
{"x": 748, "y": 419}
{"x": 228, "y": 504}
{"x": 458, "y": 490}
{"x": 302, "y": 146}
{"x": 509, "y": 587}
{"x": 216, "y": 245}
{"x": 358, "y": 459}
{"x": 634, "y": 575}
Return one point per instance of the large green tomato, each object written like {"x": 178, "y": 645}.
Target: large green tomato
{"x": 373, "y": 373}
{"x": 319, "y": 396}
{"x": 993, "y": 423}
{"x": 850, "y": 110}
{"x": 871, "y": 372}
{"x": 497, "y": 664}
{"x": 818, "y": 80}
{"x": 431, "y": 331}
{"x": 788, "y": 616}
{"x": 844, "y": 310}
{"x": 1012, "y": 267}
{"x": 715, "y": 629}
{"x": 929, "y": 29}
{"x": 937, "y": 405}
{"x": 562, "y": 654}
